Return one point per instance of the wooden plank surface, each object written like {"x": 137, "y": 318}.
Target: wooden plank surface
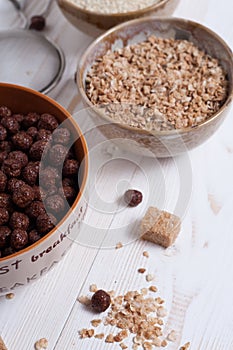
{"x": 194, "y": 276}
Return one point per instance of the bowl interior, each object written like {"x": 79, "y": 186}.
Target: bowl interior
{"x": 23, "y": 100}
{"x": 138, "y": 30}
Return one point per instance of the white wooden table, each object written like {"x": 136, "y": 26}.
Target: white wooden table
{"x": 195, "y": 277}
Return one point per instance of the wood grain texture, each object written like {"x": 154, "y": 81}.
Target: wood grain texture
{"x": 194, "y": 276}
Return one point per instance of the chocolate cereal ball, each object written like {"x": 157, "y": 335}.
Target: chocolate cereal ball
{"x": 22, "y": 140}
{"x": 61, "y": 135}
{"x": 5, "y": 111}
{"x": 48, "y": 177}
{"x": 57, "y": 155}
{"x": 5, "y": 201}
{"x": 3, "y": 156}
{"x": 30, "y": 173}
{"x": 3, "y": 133}
{"x": 39, "y": 193}
{"x": 5, "y": 146}
{"x": 35, "y": 209}
{"x": 37, "y": 149}
{"x": 54, "y": 204}
{"x": 51, "y": 190}
{"x": 48, "y": 122}
{"x": 19, "y": 220}
{"x": 70, "y": 167}
{"x": 4, "y": 236}
{"x": 32, "y": 131}
{"x": 11, "y": 124}
{"x": 18, "y": 117}
{"x": 19, "y": 239}
{"x": 68, "y": 181}
{"x": 3, "y": 181}
{"x": 13, "y": 184}
{"x": 11, "y": 167}
{"x": 4, "y": 216}
{"x": 44, "y": 135}
{"x": 30, "y": 119}
{"x": 23, "y": 196}
{"x": 45, "y": 223}
{"x": 20, "y": 157}
{"x": 33, "y": 236}
{"x": 68, "y": 192}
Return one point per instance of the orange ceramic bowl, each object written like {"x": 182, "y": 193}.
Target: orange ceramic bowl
{"x": 32, "y": 262}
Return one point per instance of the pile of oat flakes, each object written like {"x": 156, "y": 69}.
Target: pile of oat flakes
{"x": 158, "y": 84}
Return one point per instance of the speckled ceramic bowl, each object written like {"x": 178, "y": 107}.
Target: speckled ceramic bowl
{"x": 25, "y": 266}
{"x": 164, "y": 143}
{"x": 94, "y": 24}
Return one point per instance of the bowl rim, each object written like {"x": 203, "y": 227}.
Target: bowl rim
{"x": 139, "y": 12}
{"x": 85, "y": 173}
{"x": 81, "y": 87}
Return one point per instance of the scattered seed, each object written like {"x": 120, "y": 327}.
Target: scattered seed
{"x": 153, "y": 289}
{"x": 10, "y": 296}
{"x": 146, "y": 254}
{"x": 172, "y": 336}
{"x": 41, "y": 344}
{"x": 141, "y": 270}
{"x": 150, "y": 277}
{"x": 119, "y": 245}
{"x": 93, "y": 288}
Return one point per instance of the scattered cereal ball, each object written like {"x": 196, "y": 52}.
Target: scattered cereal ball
{"x": 61, "y": 135}
{"x": 48, "y": 177}
{"x": 20, "y": 157}
{"x": 30, "y": 119}
{"x": 70, "y": 167}
{"x": 11, "y": 167}
{"x": 37, "y": 149}
{"x": 57, "y": 155}
{"x": 4, "y": 216}
{"x": 32, "y": 131}
{"x": 3, "y": 181}
{"x": 19, "y": 239}
{"x": 48, "y": 122}
{"x": 22, "y": 140}
{"x": 14, "y": 183}
{"x": 5, "y": 201}
{"x": 10, "y": 124}
{"x": 37, "y": 23}
{"x": 100, "y": 301}
{"x": 133, "y": 198}
{"x": 68, "y": 192}
{"x": 4, "y": 236}
{"x": 44, "y": 135}
{"x": 3, "y": 133}
{"x": 19, "y": 220}
{"x": 35, "y": 209}
{"x": 33, "y": 236}
{"x": 23, "y": 196}
{"x": 30, "y": 173}
{"x": 55, "y": 204}
{"x": 5, "y": 111}
{"x": 45, "y": 223}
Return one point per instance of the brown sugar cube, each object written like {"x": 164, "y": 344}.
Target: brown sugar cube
{"x": 2, "y": 345}
{"x": 160, "y": 227}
